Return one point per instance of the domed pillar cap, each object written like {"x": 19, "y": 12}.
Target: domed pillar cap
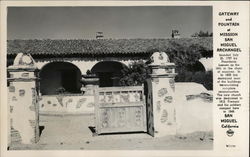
{"x": 160, "y": 59}
{"x": 23, "y": 61}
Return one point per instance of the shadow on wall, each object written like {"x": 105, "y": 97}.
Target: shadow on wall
{"x": 41, "y": 128}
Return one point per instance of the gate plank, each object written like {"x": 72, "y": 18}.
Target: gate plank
{"x": 120, "y": 109}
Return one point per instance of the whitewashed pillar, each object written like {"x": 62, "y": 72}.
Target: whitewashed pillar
{"x": 22, "y": 98}
{"x": 161, "y": 82}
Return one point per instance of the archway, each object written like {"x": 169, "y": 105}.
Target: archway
{"x": 108, "y": 72}
{"x": 197, "y": 66}
{"x": 60, "y": 77}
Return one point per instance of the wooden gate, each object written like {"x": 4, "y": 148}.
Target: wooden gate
{"x": 120, "y": 109}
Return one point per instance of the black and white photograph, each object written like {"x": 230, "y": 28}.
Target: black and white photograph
{"x": 110, "y": 77}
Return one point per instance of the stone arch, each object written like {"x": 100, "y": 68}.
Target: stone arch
{"x": 108, "y": 72}
{"x": 59, "y": 77}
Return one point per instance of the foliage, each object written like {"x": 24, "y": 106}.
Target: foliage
{"x": 137, "y": 72}
{"x": 202, "y": 77}
{"x": 185, "y": 55}
{"x": 202, "y": 34}
{"x": 134, "y": 75}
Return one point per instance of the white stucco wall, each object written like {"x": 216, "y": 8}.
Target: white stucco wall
{"x": 66, "y": 104}
{"x": 194, "y": 114}
{"x": 163, "y": 107}
{"x": 21, "y": 103}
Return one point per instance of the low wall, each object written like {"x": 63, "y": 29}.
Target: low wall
{"x": 193, "y": 112}
{"x": 194, "y": 115}
{"x": 194, "y": 107}
{"x": 66, "y": 104}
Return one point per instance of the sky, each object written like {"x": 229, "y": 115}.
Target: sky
{"x": 114, "y": 22}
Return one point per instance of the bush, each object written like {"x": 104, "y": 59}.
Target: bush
{"x": 202, "y": 34}
{"x": 137, "y": 73}
{"x": 203, "y": 77}
{"x": 186, "y": 59}
{"x": 134, "y": 75}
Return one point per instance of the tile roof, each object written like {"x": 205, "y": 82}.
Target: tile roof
{"x": 102, "y": 46}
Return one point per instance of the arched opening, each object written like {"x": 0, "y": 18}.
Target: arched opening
{"x": 60, "y": 77}
{"x": 108, "y": 72}
{"x": 197, "y": 66}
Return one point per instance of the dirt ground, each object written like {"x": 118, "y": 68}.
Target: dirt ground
{"x": 72, "y": 132}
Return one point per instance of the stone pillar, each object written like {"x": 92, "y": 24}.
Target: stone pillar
{"x": 162, "y": 95}
{"x": 23, "y": 100}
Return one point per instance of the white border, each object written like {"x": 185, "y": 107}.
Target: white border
{"x": 218, "y": 151}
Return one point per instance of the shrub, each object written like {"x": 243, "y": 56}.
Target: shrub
{"x": 135, "y": 74}
{"x": 203, "y": 77}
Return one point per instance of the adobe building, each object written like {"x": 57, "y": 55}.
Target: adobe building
{"x": 57, "y": 59}
{"x": 44, "y": 68}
